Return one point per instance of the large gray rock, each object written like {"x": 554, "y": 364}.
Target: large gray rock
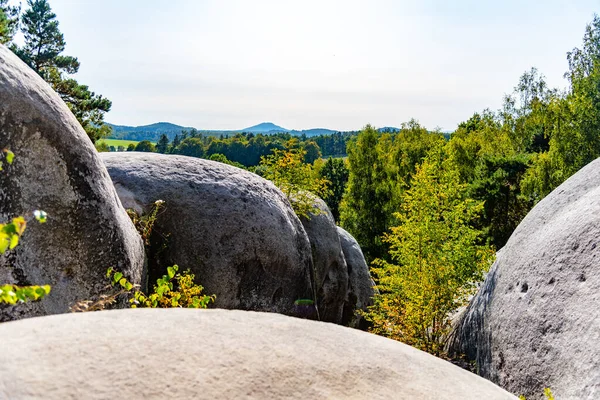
{"x": 235, "y": 230}
{"x": 360, "y": 284}
{"x": 218, "y": 354}
{"x": 331, "y": 272}
{"x": 535, "y": 322}
{"x": 57, "y": 169}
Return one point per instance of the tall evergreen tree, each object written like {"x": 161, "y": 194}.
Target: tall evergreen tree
{"x": 336, "y": 172}
{"x": 367, "y": 207}
{"x": 44, "y": 42}
{"x": 163, "y": 144}
{"x": 42, "y": 51}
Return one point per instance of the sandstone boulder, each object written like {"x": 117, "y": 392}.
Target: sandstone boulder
{"x": 57, "y": 169}
{"x": 360, "y": 284}
{"x": 233, "y": 229}
{"x": 331, "y": 272}
{"x": 218, "y": 354}
{"x": 535, "y": 322}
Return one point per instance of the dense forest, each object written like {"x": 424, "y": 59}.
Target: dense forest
{"x": 428, "y": 209}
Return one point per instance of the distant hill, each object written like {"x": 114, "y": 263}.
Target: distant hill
{"x": 150, "y": 132}
{"x": 314, "y": 132}
{"x": 265, "y": 127}
{"x": 153, "y": 132}
{"x": 388, "y": 129}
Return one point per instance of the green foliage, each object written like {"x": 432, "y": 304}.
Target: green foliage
{"x": 12, "y": 294}
{"x": 336, "y": 173}
{"x": 102, "y": 147}
{"x": 192, "y": 147}
{"x": 411, "y": 145}
{"x": 297, "y": 180}
{"x": 145, "y": 146}
{"x": 4, "y": 32}
{"x": 163, "y": 144}
{"x": 172, "y": 290}
{"x": 304, "y": 302}
{"x": 42, "y": 51}
{"x": 145, "y": 223}
{"x": 437, "y": 258}
{"x": 570, "y": 121}
{"x": 9, "y": 21}
{"x": 10, "y": 234}
{"x": 312, "y": 152}
{"x": 335, "y": 144}
{"x": 547, "y": 394}
{"x": 222, "y": 159}
{"x": 367, "y": 208}
{"x": 496, "y": 183}
{"x": 8, "y": 158}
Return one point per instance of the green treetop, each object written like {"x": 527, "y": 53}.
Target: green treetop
{"x": 436, "y": 258}
{"x": 42, "y": 51}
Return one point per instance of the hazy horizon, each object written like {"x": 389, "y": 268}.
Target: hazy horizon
{"x": 226, "y": 65}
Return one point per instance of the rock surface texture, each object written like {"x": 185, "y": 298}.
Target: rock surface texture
{"x": 233, "y": 229}
{"x": 331, "y": 272}
{"x": 535, "y": 322}
{"x": 57, "y": 169}
{"x": 360, "y": 284}
{"x": 157, "y": 354}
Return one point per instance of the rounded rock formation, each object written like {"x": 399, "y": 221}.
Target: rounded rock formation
{"x": 535, "y": 321}
{"x": 360, "y": 284}
{"x": 218, "y": 354}
{"x": 233, "y": 229}
{"x": 331, "y": 272}
{"x": 57, "y": 169}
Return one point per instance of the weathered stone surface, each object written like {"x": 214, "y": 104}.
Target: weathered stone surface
{"x": 57, "y": 169}
{"x": 235, "y": 230}
{"x": 360, "y": 284}
{"x": 331, "y": 273}
{"x": 218, "y": 354}
{"x": 535, "y": 322}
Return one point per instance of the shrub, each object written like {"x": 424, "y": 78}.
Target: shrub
{"x": 10, "y": 233}
{"x": 297, "y": 180}
{"x": 437, "y": 259}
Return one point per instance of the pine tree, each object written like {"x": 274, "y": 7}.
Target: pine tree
{"x": 366, "y": 210}
{"x": 336, "y": 172}
{"x": 42, "y": 51}
{"x": 163, "y": 144}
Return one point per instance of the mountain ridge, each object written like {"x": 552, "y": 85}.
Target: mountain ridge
{"x": 152, "y": 132}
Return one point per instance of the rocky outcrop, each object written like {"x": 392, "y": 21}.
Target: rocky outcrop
{"x": 218, "y": 354}
{"x": 57, "y": 169}
{"x": 331, "y": 272}
{"x": 360, "y": 284}
{"x": 535, "y": 322}
{"x": 234, "y": 230}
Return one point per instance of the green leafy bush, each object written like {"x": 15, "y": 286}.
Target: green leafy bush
{"x": 173, "y": 290}
{"x": 10, "y": 233}
{"x": 144, "y": 223}
{"x": 297, "y": 180}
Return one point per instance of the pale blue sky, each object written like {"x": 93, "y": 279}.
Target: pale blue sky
{"x": 228, "y": 64}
